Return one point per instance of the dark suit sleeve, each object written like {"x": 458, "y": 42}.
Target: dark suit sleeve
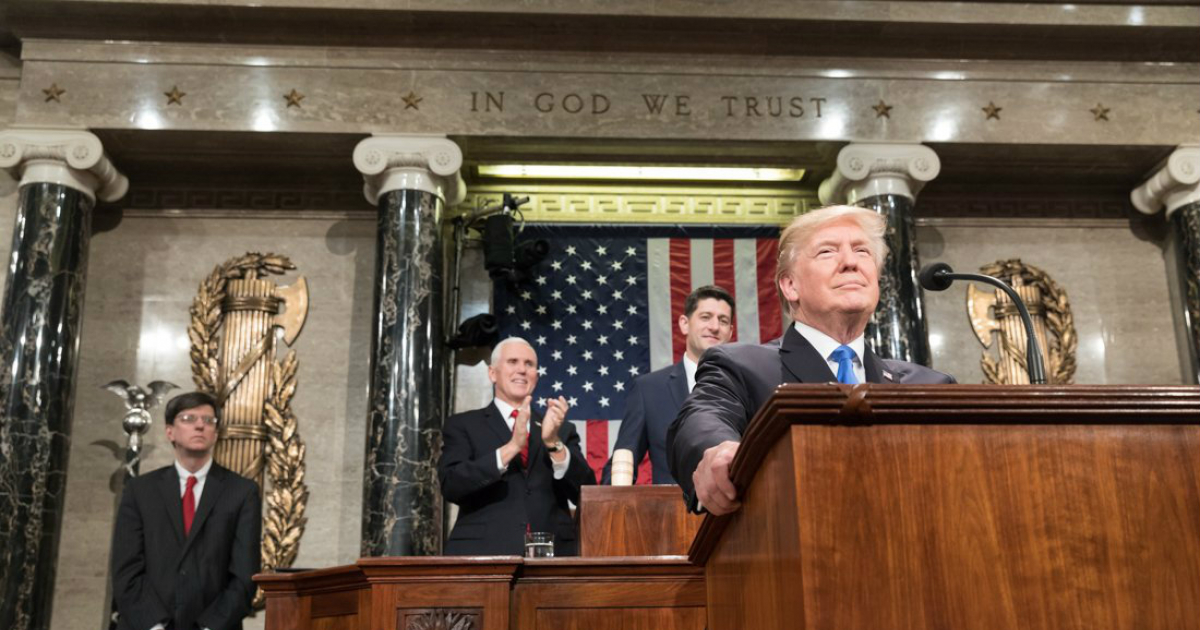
{"x": 632, "y": 434}
{"x": 717, "y": 410}
{"x": 461, "y": 471}
{"x": 137, "y": 604}
{"x": 234, "y": 603}
{"x": 578, "y": 474}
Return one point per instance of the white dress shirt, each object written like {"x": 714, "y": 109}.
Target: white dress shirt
{"x": 825, "y": 345}
{"x": 689, "y": 368}
{"x": 560, "y": 468}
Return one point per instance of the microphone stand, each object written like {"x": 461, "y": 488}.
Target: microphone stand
{"x": 1033, "y": 354}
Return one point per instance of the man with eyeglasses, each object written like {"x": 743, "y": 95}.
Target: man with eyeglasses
{"x": 187, "y": 539}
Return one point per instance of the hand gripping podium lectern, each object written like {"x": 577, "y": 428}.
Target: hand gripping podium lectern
{"x": 881, "y": 507}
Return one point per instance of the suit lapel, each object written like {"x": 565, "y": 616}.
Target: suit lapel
{"x": 678, "y": 384}
{"x": 801, "y": 362}
{"x": 172, "y": 500}
{"x": 498, "y": 425}
{"x": 874, "y": 368}
{"x": 213, "y": 486}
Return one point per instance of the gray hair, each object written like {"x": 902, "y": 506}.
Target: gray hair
{"x": 803, "y": 227}
{"x": 510, "y": 340}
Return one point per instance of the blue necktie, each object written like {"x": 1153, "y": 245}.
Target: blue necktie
{"x": 844, "y": 355}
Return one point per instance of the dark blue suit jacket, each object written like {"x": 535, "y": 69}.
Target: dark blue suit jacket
{"x": 496, "y": 507}
{"x": 201, "y": 579}
{"x": 650, "y": 408}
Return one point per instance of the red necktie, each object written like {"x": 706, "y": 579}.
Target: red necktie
{"x": 189, "y": 505}
{"x": 525, "y": 446}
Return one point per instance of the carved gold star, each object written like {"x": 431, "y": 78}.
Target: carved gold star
{"x": 882, "y": 110}
{"x": 992, "y": 111}
{"x": 53, "y": 92}
{"x": 293, "y": 98}
{"x": 175, "y": 97}
{"x": 1100, "y": 112}
{"x": 410, "y": 101}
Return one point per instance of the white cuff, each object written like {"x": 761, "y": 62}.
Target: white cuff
{"x": 560, "y": 468}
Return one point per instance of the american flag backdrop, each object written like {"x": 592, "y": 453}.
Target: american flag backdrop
{"x": 601, "y": 309}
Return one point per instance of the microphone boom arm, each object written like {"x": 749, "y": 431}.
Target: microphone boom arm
{"x": 1033, "y": 353}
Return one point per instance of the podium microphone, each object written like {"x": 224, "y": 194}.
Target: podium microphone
{"x": 939, "y": 277}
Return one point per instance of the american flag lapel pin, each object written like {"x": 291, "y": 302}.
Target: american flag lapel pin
{"x": 888, "y": 375}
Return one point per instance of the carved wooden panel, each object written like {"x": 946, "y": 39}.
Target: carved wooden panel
{"x": 439, "y": 618}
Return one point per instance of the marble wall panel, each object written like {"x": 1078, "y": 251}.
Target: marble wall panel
{"x": 142, "y": 277}
{"x": 617, "y": 97}
{"x": 1114, "y": 275}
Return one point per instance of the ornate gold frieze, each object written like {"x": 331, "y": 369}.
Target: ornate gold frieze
{"x": 998, "y": 326}
{"x": 236, "y": 319}
{"x": 647, "y": 204}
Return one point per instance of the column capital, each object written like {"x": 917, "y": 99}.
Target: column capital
{"x": 392, "y": 162}
{"x": 869, "y": 170}
{"x": 1173, "y": 184}
{"x": 69, "y": 157}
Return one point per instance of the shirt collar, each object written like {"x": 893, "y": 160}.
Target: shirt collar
{"x": 505, "y": 408}
{"x": 199, "y": 474}
{"x": 825, "y": 345}
{"x": 689, "y": 370}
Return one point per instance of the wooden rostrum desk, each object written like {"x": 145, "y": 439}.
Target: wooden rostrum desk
{"x": 870, "y": 507}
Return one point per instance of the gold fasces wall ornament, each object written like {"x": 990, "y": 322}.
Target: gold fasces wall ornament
{"x": 995, "y": 319}
{"x": 236, "y": 317}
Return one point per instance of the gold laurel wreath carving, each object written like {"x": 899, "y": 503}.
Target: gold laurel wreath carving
{"x": 284, "y": 520}
{"x": 1059, "y": 322}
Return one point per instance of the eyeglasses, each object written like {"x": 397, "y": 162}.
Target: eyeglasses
{"x": 190, "y": 420}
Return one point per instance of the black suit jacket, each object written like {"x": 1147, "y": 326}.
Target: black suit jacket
{"x": 733, "y": 381}
{"x": 496, "y": 507}
{"x": 650, "y": 408}
{"x": 202, "y": 580}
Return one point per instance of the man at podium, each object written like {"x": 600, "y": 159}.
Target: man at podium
{"x": 827, "y": 277}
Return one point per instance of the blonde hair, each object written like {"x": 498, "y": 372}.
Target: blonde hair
{"x": 803, "y": 227}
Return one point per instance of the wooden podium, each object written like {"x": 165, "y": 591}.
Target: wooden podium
{"x": 962, "y": 507}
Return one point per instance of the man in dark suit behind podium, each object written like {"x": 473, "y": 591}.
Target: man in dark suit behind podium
{"x": 828, "y": 279}
{"x": 188, "y": 536}
{"x": 655, "y": 398}
{"x": 509, "y": 469}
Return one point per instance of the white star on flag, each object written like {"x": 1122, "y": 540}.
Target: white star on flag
{"x": 557, "y": 386}
{"x": 525, "y": 325}
{"x": 541, "y": 280}
{"x": 572, "y": 339}
{"x": 557, "y": 354}
{"x": 541, "y": 309}
{"x": 602, "y": 251}
{"x": 572, "y": 370}
{"x": 541, "y": 370}
{"x": 541, "y": 340}
{"x": 570, "y": 250}
{"x": 587, "y": 355}
{"x": 573, "y": 401}
{"x": 619, "y": 386}
{"x": 618, "y": 324}
{"x": 603, "y": 370}
{"x": 633, "y": 371}
{"x": 571, "y": 280}
{"x": 603, "y": 401}
{"x": 587, "y": 386}
{"x": 602, "y": 340}
{"x": 587, "y": 324}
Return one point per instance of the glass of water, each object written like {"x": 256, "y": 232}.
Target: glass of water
{"x": 539, "y": 545}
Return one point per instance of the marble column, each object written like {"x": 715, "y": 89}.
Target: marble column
{"x": 409, "y": 179}
{"x": 1175, "y": 186}
{"x": 62, "y": 173}
{"x": 886, "y": 178}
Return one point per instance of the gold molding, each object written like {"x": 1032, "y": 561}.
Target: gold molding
{"x": 649, "y": 204}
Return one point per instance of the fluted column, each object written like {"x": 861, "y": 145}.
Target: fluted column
{"x": 1175, "y": 186}
{"x": 409, "y": 179}
{"x": 886, "y": 178}
{"x": 62, "y": 173}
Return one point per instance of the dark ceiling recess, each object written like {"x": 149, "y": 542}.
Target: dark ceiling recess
{"x": 598, "y": 33}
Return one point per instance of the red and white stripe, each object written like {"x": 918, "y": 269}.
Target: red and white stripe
{"x": 675, "y": 267}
